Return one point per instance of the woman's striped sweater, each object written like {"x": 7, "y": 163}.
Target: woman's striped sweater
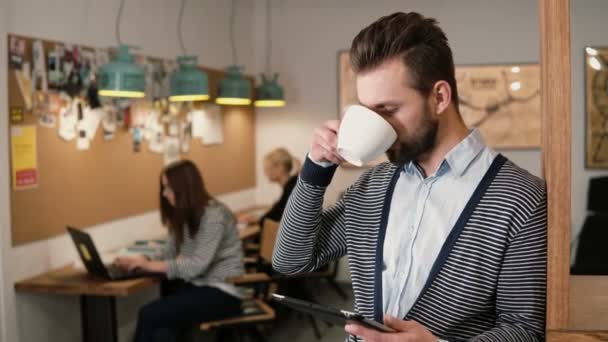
{"x": 488, "y": 282}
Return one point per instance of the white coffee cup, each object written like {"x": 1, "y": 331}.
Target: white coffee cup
{"x": 364, "y": 135}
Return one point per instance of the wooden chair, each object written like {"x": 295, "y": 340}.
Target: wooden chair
{"x": 255, "y": 311}
{"x": 267, "y": 241}
{"x": 268, "y": 238}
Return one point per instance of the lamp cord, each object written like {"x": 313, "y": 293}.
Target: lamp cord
{"x": 180, "y": 34}
{"x": 232, "y": 23}
{"x": 268, "y": 36}
{"x": 118, "y": 17}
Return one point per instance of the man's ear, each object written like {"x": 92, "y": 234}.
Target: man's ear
{"x": 441, "y": 96}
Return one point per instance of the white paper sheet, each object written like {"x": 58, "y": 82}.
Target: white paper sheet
{"x": 171, "y": 150}
{"x": 198, "y": 121}
{"x": 68, "y": 118}
{"x": 90, "y": 121}
{"x": 83, "y": 143}
{"x": 157, "y": 144}
{"x": 152, "y": 127}
{"x": 39, "y": 80}
{"x": 207, "y": 125}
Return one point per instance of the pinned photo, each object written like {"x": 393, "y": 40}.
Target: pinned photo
{"x": 82, "y": 143}
{"x": 25, "y": 84}
{"x": 39, "y": 76}
{"x": 47, "y": 120}
{"x": 17, "y": 115}
{"x": 56, "y": 78}
{"x": 108, "y": 123}
{"x": 137, "y": 138}
{"x": 16, "y": 53}
{"x": 185, "y": 136}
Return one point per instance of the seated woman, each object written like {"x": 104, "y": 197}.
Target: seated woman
{"x": 282, "y": 168}
{"x": 203, "y": 250}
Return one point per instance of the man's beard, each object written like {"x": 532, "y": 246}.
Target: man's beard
{"x": 421, "y": 142}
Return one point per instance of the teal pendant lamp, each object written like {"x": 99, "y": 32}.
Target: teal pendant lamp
{"x": 269, "y": 93}
{"x": 188, "y": 83}
{"x": 121, "y": 77}
{"x": 234, "y": 89}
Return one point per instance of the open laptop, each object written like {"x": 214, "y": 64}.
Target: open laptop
{"x": 93, "y": 263}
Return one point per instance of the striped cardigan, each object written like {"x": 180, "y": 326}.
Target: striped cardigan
{"x": 212, "y": 255}
{"x": 488, "y": 282}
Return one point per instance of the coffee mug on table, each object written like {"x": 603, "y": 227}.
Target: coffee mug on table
{"x": 364, "y": 135}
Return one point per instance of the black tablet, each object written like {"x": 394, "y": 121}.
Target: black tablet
{"x": 335, "y": 316}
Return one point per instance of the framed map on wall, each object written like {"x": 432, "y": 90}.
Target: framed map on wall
{"x": 596, "y": 104}
{"x": 503, "y": 102}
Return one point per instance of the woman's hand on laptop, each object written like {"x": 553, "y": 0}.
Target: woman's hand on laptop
{"x": 406, "y": 331}
{"x": 142, "y": 263}
{"x": 131, "y": 263}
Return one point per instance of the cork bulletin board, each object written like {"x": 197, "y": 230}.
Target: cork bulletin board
{"x": 110, "y": 180}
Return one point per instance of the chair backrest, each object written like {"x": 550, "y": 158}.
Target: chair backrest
{"x": 597, "y": 200}
{"x": 270, "y": 230}
{"x": 591, "y": 253}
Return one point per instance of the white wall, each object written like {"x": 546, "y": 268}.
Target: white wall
{"x": 151, "y": 25}
{"x": 308, "y": 34}
{"x": 588, "y": 27}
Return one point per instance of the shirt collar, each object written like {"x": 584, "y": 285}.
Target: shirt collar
{"x": 460, "y": 156}
{"x": 463, "y": 154}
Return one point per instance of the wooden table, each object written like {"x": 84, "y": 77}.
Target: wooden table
{"x": 97, "y": 297}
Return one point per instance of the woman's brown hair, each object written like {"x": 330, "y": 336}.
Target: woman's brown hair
{"x": 191, "y": 198}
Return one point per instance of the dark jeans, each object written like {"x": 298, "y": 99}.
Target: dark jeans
{"x": 165, "y": 318}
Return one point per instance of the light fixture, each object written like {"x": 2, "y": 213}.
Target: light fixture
{"x": 594, "y": 63}
{"x": 591, "y": 51}
{"x": 234, "y": 89}
{"x": 515, "y": 70}
{"x": 515, "y": 86}
{"x": 269, "y": 93}
{"x": 187, "y": 82}
{"x": 121, "y": 77}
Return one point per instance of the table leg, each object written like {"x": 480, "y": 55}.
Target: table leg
{"x": 98, "y": 314}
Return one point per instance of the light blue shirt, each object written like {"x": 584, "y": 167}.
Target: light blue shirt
{"x": 423, "y": 212}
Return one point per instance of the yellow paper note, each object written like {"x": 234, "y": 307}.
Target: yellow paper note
{"x": 85, "y": 252}
{"x": 24, "y": 157}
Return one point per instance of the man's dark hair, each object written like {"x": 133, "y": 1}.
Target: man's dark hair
{"x": 418, "y": 41}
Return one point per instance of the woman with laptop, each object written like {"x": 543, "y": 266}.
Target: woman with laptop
{"x": 202, "y": 251}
